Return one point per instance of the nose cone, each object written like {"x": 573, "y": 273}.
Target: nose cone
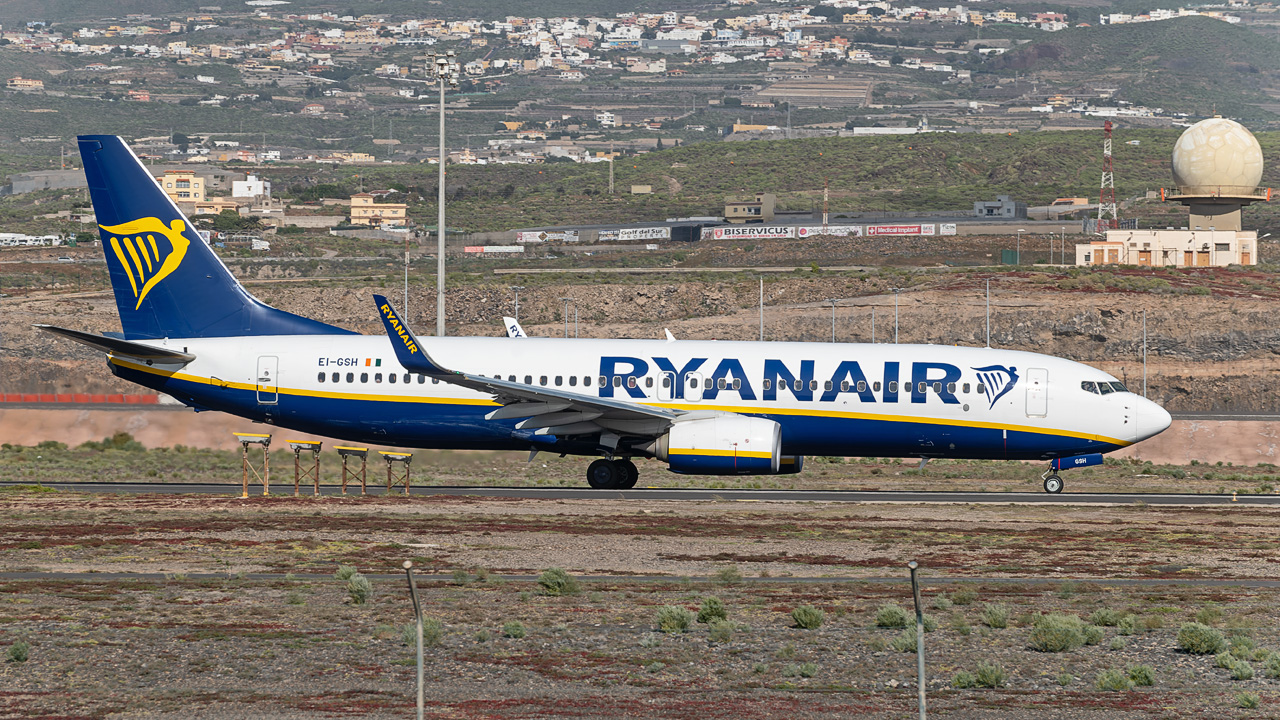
{"x": 1151, "y": 419}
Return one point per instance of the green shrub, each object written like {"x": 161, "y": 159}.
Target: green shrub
{"x": 1142, "y": 675}
{"x": 964, "y": 597}
{"x": 1241, "y": 670}
{"x": 18, "y": 652}
{"x": 359, "y": 589}
{"x": 461, "y": 576}
{"x": 1059, "y": 632}
{"x": 728, "y": 575}
{"x": 1128, "y": 625}
{"x": 1248, "y": 701}
{"x": 1242, "y": 646}
{"x": 345, "y": 572}
{"x": 672, "y": 619}
{"x": 808, "y": 617}
{"x": 1092, "y": 634}
{"x": 1066, "y": 679}
{"x": 482, "y": 636}
{"x": 990, "y": 675}
{"x": 905, "y": 640}
{"x": 1224, "y": 660}
{"x": 712, "y": 609}
{"x": 293, "y": 597}
{"x": 1272, "y": 669}
{"x": 995, "y": 616}
{"x": 1200, "y": 639}
{"x": 514, "y": 629}
{"x": 432, "y": 633}
{"x": 808, "y": 669}
{"x": 1117, "y": 643}
{"x": 556, "y": 583}
{"x": 891, "y": 616}
{"x": 964, "y": 680}
{"x": 1209, "y": 615}
{"x": 650, "y": 641}
{"x": 1106, "y": 617}
{"x": 1110, "y": 680}
{"x": 721, "y": 631}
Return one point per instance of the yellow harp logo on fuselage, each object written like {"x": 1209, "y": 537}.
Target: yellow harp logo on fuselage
{"x": 148, "y": 251}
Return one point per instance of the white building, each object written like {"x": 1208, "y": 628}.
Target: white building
{"x": 1171, "y": 248}
{"x": 252, "y": 187}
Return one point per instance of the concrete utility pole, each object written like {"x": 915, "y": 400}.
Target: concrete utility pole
{"x": 567, "y": 300}
{"x": 988, "y": 312}
{"x": 517, "y": 289}
{"x": 833, "y": 319}
{"x": 762, "y": 308}
{"x": 445, "y": 71}
{"x": 1018, "y": 252}
{"x": 895, "y": 314}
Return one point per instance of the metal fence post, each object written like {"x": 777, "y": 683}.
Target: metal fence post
{"x": 915, "y": 592}
{"x": 417, "y": 614}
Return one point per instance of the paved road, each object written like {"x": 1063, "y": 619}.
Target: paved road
{"x": 850, "y": 496}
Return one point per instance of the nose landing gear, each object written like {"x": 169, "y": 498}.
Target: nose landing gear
{"x": 1052, "y": 482}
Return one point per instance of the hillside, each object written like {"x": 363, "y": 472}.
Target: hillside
{"x": 1193, "y": 64}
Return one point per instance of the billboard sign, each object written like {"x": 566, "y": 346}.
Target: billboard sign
{"x": 926, "y": 229}
{"x": 753, "y": 232}
{"x": 536, "y": 236}
{"x": 837, "y": 230}
{"x": 645, "y": 233}
{"x": 493, "y": 249}
{"x": 947, "y": 229}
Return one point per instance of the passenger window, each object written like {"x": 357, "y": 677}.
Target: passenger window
{"x": 377, "y": 377}
{"x": 798, "y": 385}
{"x": 351, "y": 377}
{"x": 364, "y": 377}
{"x": 693, "y": 382}
{"x": 844, "y": 386}
{"x": 922, "y": 387}
{"x": 617, "y": 381}
{"x": 875, "y": 387}
{"x": 435, "y": 381}
{"x": 573, "y": 381}
{"x": 737, "y": 384}
{"x": 528, "y": 379}
{"x": 603, "y": 381}
{"x": 391, "y": 377}
{"x": 951, "y": 388}
{"x": 406, "y": 378}
{"x": 542, "y": 381}
{"x": 965, "y": 388}
{"x": 335, "y": 377}
{"x": 862, "y": 386}
{"x": 648, "y": 382}
{"x": 937, "y": 387}
{"x": 827, "y": 385}
{"x": 767, "y": 383}
{"x": 422, "y": 379}
{"x": 586, "y": 381}
{"x": 982, "y": 389}
{"x": 559, "y": 380}
{"x": 631, "y": 381}
{"x": 511, "y": 378}
{"x": 320, "y": 377}
{"x": 721, "y": 384}
{"x": 813, "y": 384}
{"x": 893, "y": 386}
{"x": 666, "y": 381}
{"x": 1089, "y": 386}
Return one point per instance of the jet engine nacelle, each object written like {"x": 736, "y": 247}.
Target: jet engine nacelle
{"x": 722, "y": 445}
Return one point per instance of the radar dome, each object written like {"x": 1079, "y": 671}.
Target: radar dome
{"x": 1217, "y": 157}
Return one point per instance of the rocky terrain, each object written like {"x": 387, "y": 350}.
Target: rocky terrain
{"x": 1212, "y": 337}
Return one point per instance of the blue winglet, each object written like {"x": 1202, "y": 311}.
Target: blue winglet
{"x": 408, "y": 350}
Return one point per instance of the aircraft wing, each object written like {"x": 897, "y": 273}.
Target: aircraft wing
{"x": 120, "y": 348}
{"x": 547, "y": 411}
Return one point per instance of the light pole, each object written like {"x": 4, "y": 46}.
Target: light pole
{"x": 517, "y": 289}
{"x": 567, "y": 300}
{"x": 895, "y": 314}
{"x": 833, "y": 318}
{"x": 445, "y": 70}
{"x": 1064, "y": 245}
{"x": 1018, "y": 253}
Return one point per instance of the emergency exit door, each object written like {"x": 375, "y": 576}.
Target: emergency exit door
{"x": 268, "y": 368}
{"x": 1037, "y": 392}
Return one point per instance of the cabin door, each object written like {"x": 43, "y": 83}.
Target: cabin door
{"x": 1037, "y": 392}
{"x": 268, "y": 369}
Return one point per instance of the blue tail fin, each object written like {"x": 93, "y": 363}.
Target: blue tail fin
{"x": 167, "y": 281}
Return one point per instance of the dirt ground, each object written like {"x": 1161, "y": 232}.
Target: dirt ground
{"x": 195, "y": 632}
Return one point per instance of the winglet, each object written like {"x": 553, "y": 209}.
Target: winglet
{"x": 408, "y": 350}
{"x": 670, "y": 337}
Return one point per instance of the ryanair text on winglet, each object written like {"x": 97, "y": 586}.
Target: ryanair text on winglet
{"x": 395, "y": 325}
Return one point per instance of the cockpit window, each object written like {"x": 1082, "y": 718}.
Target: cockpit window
{"x": 1089, "y": 386}
{"x": 1119, "y": 387}
{"x": 1105, "y": 388}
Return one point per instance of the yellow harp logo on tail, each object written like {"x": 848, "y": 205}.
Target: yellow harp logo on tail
{"x": 148, "y": 251}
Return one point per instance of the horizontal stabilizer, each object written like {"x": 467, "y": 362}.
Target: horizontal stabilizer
{"x": 115, "y": 346}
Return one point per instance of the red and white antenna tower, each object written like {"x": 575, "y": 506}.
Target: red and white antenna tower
{"x": 1108, "y": 219}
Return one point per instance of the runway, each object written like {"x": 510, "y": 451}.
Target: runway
{"x": 692, "y": 495}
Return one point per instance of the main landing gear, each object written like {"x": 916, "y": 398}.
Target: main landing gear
{"x": 618, "y": 474}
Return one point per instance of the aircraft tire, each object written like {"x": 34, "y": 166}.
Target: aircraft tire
{"x": 628, "y": 474}
{"x": 1053, "y": 484}
{"x": 604, "y": 475}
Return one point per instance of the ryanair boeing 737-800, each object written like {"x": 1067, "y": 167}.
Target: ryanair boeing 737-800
{"x": 191, "y": 331}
